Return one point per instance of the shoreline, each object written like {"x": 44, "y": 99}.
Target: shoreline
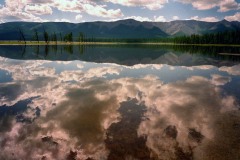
{"x": 32, "y": 43}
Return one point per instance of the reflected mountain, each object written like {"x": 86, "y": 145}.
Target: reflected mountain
{"x": 128, "y": 54}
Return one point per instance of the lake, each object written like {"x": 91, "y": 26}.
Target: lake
{"x": 115, "y": 102}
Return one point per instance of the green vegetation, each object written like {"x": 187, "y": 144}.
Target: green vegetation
{"x": 46, "y": 36}
{"x": 221, "y": 38}
{"x": 35, "y": 37}
{"x": 68, "y": 37}
{"x": 227, "y": 37}
{"x": 54, "y": 37}
{"x": 22, "y": 37}
{"x": 81, "y": 37}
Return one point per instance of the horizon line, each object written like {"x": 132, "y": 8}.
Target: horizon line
{"x": 118, "y": 21}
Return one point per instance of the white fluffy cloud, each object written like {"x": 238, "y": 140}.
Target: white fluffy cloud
{"x": 210, "y": 19}
{"x": 234, "y": 70}
{"x": 149, "y": 4}
{"x": 68, "y": 6}
{"x": 38, "y": 9}
{"x": 79, "y": 106}
{"x": 224, "y": 5}
{"x": 159, "y": 19}
{"x": 138, "y": 18}
{"x": 175, "y": 17}
{"x": 219, "y": 80}
{"x": 61, "y": 20}
{"x": 13, "y": 11}
{"x": 227, "y": 5}
{"x": 88, "y": 7}
{"x": 235, "y": 17}
{"x": 8, "y": 15}
{"x": 170, "y": 107}
{"x": 101, "y": 11}
{"x": 30, "y": 10}
{"x": 206, "y": 19}
{"x": 78, "y": 17}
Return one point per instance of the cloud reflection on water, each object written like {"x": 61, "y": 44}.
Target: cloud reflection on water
{"x": 191, "y": 117}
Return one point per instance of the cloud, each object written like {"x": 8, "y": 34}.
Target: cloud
{"x": 235, "y": 17}
{"x": 227, "y": 5}
{"x": 88, "y": 7}
{"x": 85, "y": 121}
{"x": 26, "y": 10}
{"x": 56, "y": 122}
{"x": 223, "y": 5}
{"x": 175, "y": 17}
{"x": 206, "y": 19}
{"x": 209, "y": 19}
{"x": 159, "y": 19}
{"x": 102, "y": 71}
{"x": 62, "y": 20}
{"x": 101, "y": 11}
{"x": 78, "y": 75}
{"x": 169, "y": 107}
{"x": 219, "y": 80}
{"x": 202, "y": 67}
{"x": 6, "y": 14}
{"x": 13, "y": 11}
{"x": 138, "y": 18}
{"x": 78, "y": 17}
{"x": 79, "y": 105}
{"x": 234, "y": 70}
{"x": 38, "y": 9}
{"x": 40, "y": 1}
{"x": 68, "y": 6}
{"x": 149, "y": 4}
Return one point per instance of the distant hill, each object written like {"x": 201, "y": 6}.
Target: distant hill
{"x": 128, "y": 28}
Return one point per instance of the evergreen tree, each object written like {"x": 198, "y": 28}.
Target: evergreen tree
{"x": 54, "y": 37}
{"x": 61, "y": 38}
{"x": 22, "y": 37}
{"x": 81, "y": 36}
{"x": 68, "y": 37}
{"x": 36, "y": 38}
{"x": 45, "y": 35}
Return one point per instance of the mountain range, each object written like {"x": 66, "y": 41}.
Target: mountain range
{"x": 128, "y": 28}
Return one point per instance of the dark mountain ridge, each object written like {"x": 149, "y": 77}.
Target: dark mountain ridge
{"x": 128, "y": 28}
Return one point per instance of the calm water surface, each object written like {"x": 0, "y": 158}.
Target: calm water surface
{"x": 119, "y": 102}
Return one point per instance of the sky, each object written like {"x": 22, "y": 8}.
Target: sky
{"x": 77, "y": 11}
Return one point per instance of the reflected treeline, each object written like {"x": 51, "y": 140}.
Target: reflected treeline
{"x": 220, "y": 52}
{"x": 46, "y": 49}
{"x": 23, "y": 50}
{"x": 54, "y": 48}
{"x": 68, "y": 49}
{"x": 127, "y": 54}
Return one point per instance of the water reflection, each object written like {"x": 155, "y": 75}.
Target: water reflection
{"x": 128, "y": 54}
{"x": 82, "y": 110}
{"x": 122, "y": 140}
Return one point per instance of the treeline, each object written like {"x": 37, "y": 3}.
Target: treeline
{"x": 53, "y": 37}
{"x": 227, "y": 37}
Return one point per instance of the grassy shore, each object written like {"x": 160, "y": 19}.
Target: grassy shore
{"x": 106, "y": 43}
